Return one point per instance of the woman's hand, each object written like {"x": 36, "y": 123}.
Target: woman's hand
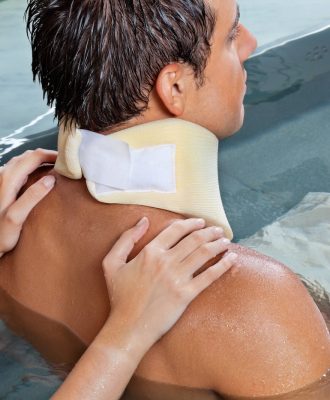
{"x": 150, "y": 293}
{"x": 13, "y": 211}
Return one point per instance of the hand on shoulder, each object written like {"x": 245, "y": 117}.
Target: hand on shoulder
{"x": 14, "y": 210}
{"x": 148, "y": 295}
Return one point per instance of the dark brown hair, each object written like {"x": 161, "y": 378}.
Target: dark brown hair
{"x": 98, "y": 60}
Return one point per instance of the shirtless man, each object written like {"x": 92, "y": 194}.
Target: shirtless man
{"x": 256, "y": 331}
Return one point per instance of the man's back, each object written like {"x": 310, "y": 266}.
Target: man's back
{"x": 255, "y": 331}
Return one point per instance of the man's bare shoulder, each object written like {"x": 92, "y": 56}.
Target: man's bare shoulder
{"x": 68, "y": 234}
{"x": 256, "y": 331}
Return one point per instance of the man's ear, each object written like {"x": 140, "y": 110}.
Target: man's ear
{"x": 171, "y": 86}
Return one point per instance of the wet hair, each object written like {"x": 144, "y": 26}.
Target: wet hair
{"x": 98, "y": 60}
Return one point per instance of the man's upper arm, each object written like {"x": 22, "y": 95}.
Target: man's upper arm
{"x": 254, "y": 332}
{"x": 271, "y": 337}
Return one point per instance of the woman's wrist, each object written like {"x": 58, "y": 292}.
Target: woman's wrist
{"x": 108, "y": 364}
{"x": 128, "y": 338}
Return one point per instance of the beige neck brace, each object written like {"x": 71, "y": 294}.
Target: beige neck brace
{"x": 182, "y": 155}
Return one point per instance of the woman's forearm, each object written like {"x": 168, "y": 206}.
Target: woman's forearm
{"x": 107, "y": 366}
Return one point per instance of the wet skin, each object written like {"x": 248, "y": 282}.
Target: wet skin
{"x": 256, "y": 331}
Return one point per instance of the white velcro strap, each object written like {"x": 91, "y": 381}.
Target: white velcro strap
{"x": 115, "y": 166}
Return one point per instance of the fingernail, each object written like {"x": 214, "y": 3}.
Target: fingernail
{"x": 48, "y": 181}
{"x": 225, "y": 241}
{"x": 218, "y": 230}
{"x": 142, "y": 221}
{"x": 200, "y": 222}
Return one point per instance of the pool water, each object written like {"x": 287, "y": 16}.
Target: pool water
{"x": 280, "y": 155}
{"x": 23, "y": 372}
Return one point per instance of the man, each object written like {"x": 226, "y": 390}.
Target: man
{"x": 116, "y": 65}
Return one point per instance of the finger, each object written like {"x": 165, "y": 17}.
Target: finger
{"x": 22, "y": 207}
{"x": 17, "y": 170}
{"x": 193, "y": 241}
{"x": 203, "y": 254}
{"x": 40, "y": 155}
{"x": 176, "y": 231}
{"x": 206, "y": 278}
{"x": 122, "y": 248}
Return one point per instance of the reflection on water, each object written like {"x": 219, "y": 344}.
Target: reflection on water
{"x": 16, "y": 139}
{"x": 8, "y": 144}
{"x": 283, "y": 70}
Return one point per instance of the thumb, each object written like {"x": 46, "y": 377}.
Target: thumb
{"x": 30, "y": 198}
{"x": 122, "y": 248}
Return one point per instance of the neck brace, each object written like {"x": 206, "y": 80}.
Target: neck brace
{"x": 169, "y": 164}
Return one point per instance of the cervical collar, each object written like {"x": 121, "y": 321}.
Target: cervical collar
{"x": 169, "y": 164}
